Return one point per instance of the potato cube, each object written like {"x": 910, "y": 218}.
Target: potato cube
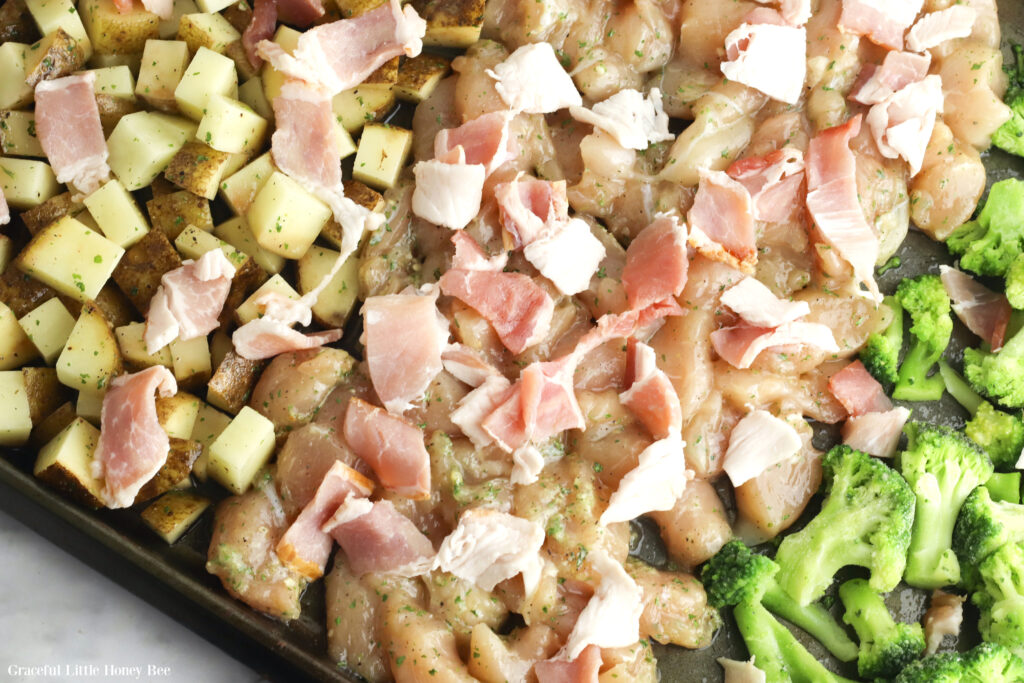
{"x": 91, "y": 357}
{"x": 48, "y": 326}
{"x": 193, "y": 243}
{"x": 16, "y": 418}
{"x": 335, "y": 303}
{"x": 14, "y": 92}
{"x": 353, "y": 8}
{"x": 6, "y": 252}
{"x": 273, "y": 79}
{"x": 239, "y": 189}
{"x": 115, "y": 33}
{"x": 142, "y": 145}
{"x": 285, "y": 218}
{"x": 89, "y": 405}
{"x": 51, "y": 15}
{"x": 132, "y": 60}
{"x": 198, "y": 168}
{"x": 115, "y": 306}
{"x": 171, "y": 213}
{"x": 65, "y": 463}
{"x": 116, "y": 81}
{"x": 250, "y": 310}
{"x": 359, "y": 193}
{"x": 241, "y": 450}
{"x": 211, "y": 31}
{"x": 18, "y": 135}
{"x": 177, "y": 414}
{"x": 131, "y": 341}
{"x": 169, "y": 27}
{"x": 53, "y": 209}
{"x": 71, "y": 258}
{"x": 251, "y": 93}
{"x": 113, "y": 109}
{"x": 45, "y": 392}
{"x": 232, "y": 383}
{"x": 163, "y": 64}
{"x": 208, "y": 74}
{"x": 230, "y": 126}
{"x": 174, "y": 473}
{"x": 116, "y": 213}
{"x": 361, "y": 105}
{"x": 451, "y": 23}
{"x": 16, "y": 349}
{"x": 236, "y": 232}
{"x": 55, "y": 56}
{"x": 191, "y": 361}
{"x": 27, "y": 182}
{"x": 236, "y": 52}
{"x": 140, "y": 269}
{"x": 173, "y": 513}
{"x": 419, "y": 76}
{"x": 382, "y": 154}
{"x": 209, "y": 425}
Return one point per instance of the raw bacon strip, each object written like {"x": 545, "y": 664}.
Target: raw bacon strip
{"x": 340, "y": 55}
{"x": 633, "y": 120}
{"x": 266, "y": 338}
{"x": 123, "y": 6}
{"x": 467, "y": 365}
{"x": 484, "y": 141}
{"x": 448, "y": 194}
{"x": 655, "y": 484}
{"x": 478, "y": 404}
{"x": 612, "y": 617}
{"x": 757, "y": 442}
{"x": 533, "y": 80}
{"x": 189, "y": 300}
{"x": 404, "y": 335}
{"x": 261, "y": 27}
{"x": 902, "y": 125}
{"x": 751, "y": 300}
{"x": 306, "y": 144}
{"x": 304, "y": 547}
{"x": 741, "y": 345}
{"x": 488, "y": 547}
{"x": 876, "y": 434}
{"x": 882, "y": 21}
{"x": 301, "y": 13}
{"x": 773, "y": 181}
{"x": 768, "y": 57}
{"x": 568, "y": 254}
{"x": 517, "y": 308}
{"x": 470, "y": 256}
{"x": 391, "y": 446}
{"x": 934, "y": 29}
{"x": 650, "y": 395}
{"x": 526, "y": 205}
{"x": 132, "y": 446}
{"x": 833, "y": 203}
{"x": 582, "y": 669}
{"x": 944, "y": 617}
{"x": 378, "y": 538}
{"x": 858, "y": 391}
{"x": 656, "y": 263}
{"x": 982, "y": 311}
{"x": 722, "y": 221}
{"x": 162, "y": 8}
{"x": 899, "y": 69}
{"x": 69, "y": 130}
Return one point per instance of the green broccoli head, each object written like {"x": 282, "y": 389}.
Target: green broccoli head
{"x": 944, "y": 667}
{"x": 1010, "y": 136}
{"x": 942, "y": 467}
{"x": 999, "y": 375}
{"x": 925, "y": 299}
{"x": 988, "y": 245}
{"x": 881, "y": 353}
{"x": 886, "y": 646}
{"x": 1000, "y": 434}
{"x": 1015, "y": 279}
{"x": 873, "y": 507}
{"x": 982, "y": 527}
{"x": 735, "y": 574}
{"x": 1000, "y": 596}
{"x": 992, "y": 663}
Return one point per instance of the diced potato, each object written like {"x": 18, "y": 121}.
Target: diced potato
{"x": 359, "y": 193}
{"x": 335, "y": 303}
{"x": 191, "y": 361}
{"x": 163, "y": 64}
{"x": 208, "y": 74}
{"x": 171, "y": 515}
{"x": 362, "y": 104}
{"x": 353, "y": 8}
{"x": 65, "y": 463}
{"x": 115, "y": 33}
{"x": 14, "y": 92}
{"x": 53, "y": 209}
{"x": 451, "y": 23}
{"x": 16, "y": 349}
{"x": 251, "y": 93}
{"x": 250, "y": 310}
{"x": 177, "y": 414}
{"x": 53, "y": 14}
{"x": 193, "y": 243}
{"x": 273, "y": 79}
{"x": 383, "y": 151}
{"x": 90, "y": 406}
{"x": 131, "y": 341}
{"x": 211, "y": 31}
{"x": 236, "y": 52}
{"x": 116, "y": 81}
{"x": 55, "y": 56}
{"x": 285, "y": 218}
{"x": 419, "y": 76}
{"x": 236, "y": 232}
{"x": 231, "y": 386}
{"x": 132, "y": 60}
{"x": 143, "y": 143}
{"x": 27, "y": 182}
{"x": 140, "y": 269}
{"x": 241, "y": 450}
{"x": 174, "y": 472}
{"x": 113, "y": 109}
{"x": 91, "y": 358}
{"x": 169, "y": 27}
{"x": 231, "y": 126}
{"x": 116, "y": 213}
{"x": 209, "y": 425}
{"x": 48, "y": 326}
{"x": 220, "y": 346}
{"x": 240, "y": 189}
{"x": 248, "y": 278}
{"x": 171, "y": 213}
{"x": 72, "y": 259}
{"x": 51, "y": 425}
{"x": 6, "y": 252}
{"x": 198, "y": 168}
{"x": 18, "y": 135}
{"x": 115, "y": 305}
{"x": 16, "y": 417}
{"x": 44, "y": 390}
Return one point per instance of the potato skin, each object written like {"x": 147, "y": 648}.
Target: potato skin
{"x": 143, "y": 264}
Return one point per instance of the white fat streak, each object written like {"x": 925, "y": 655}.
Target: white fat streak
{"x": 876, "y": 434}
{"x": 754, "y": 302}
{"x": 527, "y": 464}
{"x": 532, "y": 80}
{"x": 612, "y": 617}
{"x": 774, "y": 60}
{"x": 351, "y": 509}
{"x": 757, "y": 442}
{"x": 489, "y": 547}
{"x": 567, "y": 254}
{"x": 935, "y": 28}
{"x": 633, "y": 120}
{"x": 656, "y": 483}
{"x": 741, "y": 672}
{"x": 448, "y": 194}
{"x": 161, "y": 326}
{"x": 902, "y": 125}
{"x": 476, "y": 405}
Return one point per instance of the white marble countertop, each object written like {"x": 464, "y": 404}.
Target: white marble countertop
{"x": 62, "y": 621}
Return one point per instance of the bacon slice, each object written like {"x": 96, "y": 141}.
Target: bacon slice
{"x": 582, "y": 669}
{"x": 488, "y": 547}
{"x": 265, "y": 338}
{"x": 633, "y": 120}
{"x": 69, "y": 130}
{"x": 568, "y": 254}
{"x": 650, "y": 395}
{"x": 612, "y": 617}
{"x": 448, "y": 194}
{"x": 902, "y": 125}
{"x": 722, "y": 221}
{"x": 876, "y": 434}
{"x": 833, "y": 203}
{"x": 774, "y": 182}
{"x": 532, "y": 80}
{"x": 162, "y": 8}
{"x": 478, "y": 404}
{"x": 982, "y": 311}
{"x": 393, "y": 447}
{"x": 123, "y": 6}
{"x": 261, "y": 27}
{"x": 757, "y": 305}
{"x": 469, "y": 255}
{"x": 517, "y": 308}
{"x": 898, "y": 70}
{"x": 857, "y": 391}
{"x": 378, "y": 538}
{"x": 655, "y": 484}
{"x": 757, "y": 442}
{"x": 132, "y": 446}
{"x": 306, "y": 144}
{"x": 768, "y": 57}
{"x": 526, "y": 205}
{"x": 935, "y": 28}
{"x": 742, "y": 344}
{"x": 304, "y": 547}
{"x": 656, "y": 263}
{"x": 484, "y": 140}
{"x": 340, "y": 55}
{"x": 742, "y": 672}
{"x": 300, "y": 13}
{"x": 881, "y": 21}
{"x": 189, "y": 300}
{"x": 467, "y": 365}
{"x": 944, "y": 616}
{"x": 404, "y": 335}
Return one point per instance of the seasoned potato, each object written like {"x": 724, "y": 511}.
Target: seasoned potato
{"x": 52, "y": 425}
{"x": 177, "y": 414}
{"x": 51, "y": 210}
{"x": 16, "y": 24}
{"x": 451, "y": 23}
{"x": 176, "y": 468}
{"x": 48, "y": 327}
{"x": 232, "y": 383}
{"x": 198, "y": 168}
{"x": 139, "y": 271}
{"x": 211, "y": 31}
{"x": 65, "y": 463}
{"x": 172, "y": 213}
{"x": 361, "y": 195}
{"x": 383, "y": 151}
{"x": 16, "y": 418}
{"x": 14, "y": 92}
{"x": 91, "y": 357}
{"x": 174, "y": 513}
{"x": 45, "y": 393}
{"x": 22, "y": 293}
{"x": 70, "y": 258}
{"x": 335, "y": 303}
{"x": 130, "y": 339}
{"x": 115, "y": 33}
{"x": 26, "y": 182}
{"x": 190, "y": 360}
{"x": 111, "y": 109}
{"x": 163, "y": 63}
{"x": 56, "y": 55}
{"x": 18, "y": 134}
{"x": 117, "y": 215}
{"x": 419, "y": 76}
{"x": 142, "y": 144}
{"x": 238, "y": 453}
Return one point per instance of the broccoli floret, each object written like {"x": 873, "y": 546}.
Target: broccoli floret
{"x": 886, "y": 646}
{"x": 1010, "y": 136}
{"x": 982, "y": 527}
{"x": 944, "y": 667}
{"x": 736, "y": 575}
{"x": 1000, "y": 434}
{"x": 1000, "y": 596}
{"x": 989, "y": 244}
{"x": 881, "y": 353}
{"x": 942, "y": 467}
{"x": 925, "y": 299}
{"x": 738, "y": 578}
{"x": 999, "y": 375}
{"x": 1015, "y": 282}
{"x": 1004, "y": 487}
{"x": 865, "y": 520}
{"x": 992, "y": 663}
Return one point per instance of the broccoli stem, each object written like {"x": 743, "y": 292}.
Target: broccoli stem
{"x": 865, "y": 610}
{"x": 914, "y": 384}
{"x": 931, "y": 563}
{"x": 814, "y": 619}
{"x": 959, "y": 389}
{"x": 1004, "y": 486}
